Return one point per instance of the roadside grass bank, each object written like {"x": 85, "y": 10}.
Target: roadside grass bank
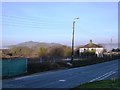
{"x": 34, "y": 67}
{"x": 112, "y": 84}
{"x": 48, "y": 66}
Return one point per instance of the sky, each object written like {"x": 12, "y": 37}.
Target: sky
{"x": 52, "y": 22}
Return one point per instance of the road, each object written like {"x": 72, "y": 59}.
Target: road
{"x": 67, "y": 78}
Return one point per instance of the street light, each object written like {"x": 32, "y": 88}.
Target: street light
{"x": 72, "y": 57}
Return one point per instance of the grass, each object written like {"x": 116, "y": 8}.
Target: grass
{"x": 47, "y": 66}
{"x": 113, "y": 84}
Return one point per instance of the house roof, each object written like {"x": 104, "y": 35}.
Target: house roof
{"x": 91, "y": 45}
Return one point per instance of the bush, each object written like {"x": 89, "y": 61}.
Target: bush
{"x": 40, "y": 67}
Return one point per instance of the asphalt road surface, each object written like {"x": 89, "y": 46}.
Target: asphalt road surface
{"x": 67, "y": 78}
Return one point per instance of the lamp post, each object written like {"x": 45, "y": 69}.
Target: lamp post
{"x": 72, "y": 57}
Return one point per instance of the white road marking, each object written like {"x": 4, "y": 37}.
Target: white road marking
{"x": 22, "y": 77}
{"x": 62, "y": 80}
{"x": 106, "y": 76}
{"x": 26, "y": 77}
{"x": 103, "y": 76}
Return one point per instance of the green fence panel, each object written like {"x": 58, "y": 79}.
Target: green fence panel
{"x": 12, "y": 67}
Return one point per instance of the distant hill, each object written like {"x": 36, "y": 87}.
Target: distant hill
{"x": 31, "y": 44}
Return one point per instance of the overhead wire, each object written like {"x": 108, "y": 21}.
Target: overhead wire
{"x": 32, "y": 22}
{"x": 40, "y": 19}
{"x": 23, "y": 21}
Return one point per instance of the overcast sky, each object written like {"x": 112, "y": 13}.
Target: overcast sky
{"x": 52, "y": 22}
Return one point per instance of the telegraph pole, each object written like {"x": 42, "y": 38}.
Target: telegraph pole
{"x": 72, "y": 57}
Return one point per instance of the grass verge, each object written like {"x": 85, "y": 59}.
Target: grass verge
{"x": 113, "y": 84}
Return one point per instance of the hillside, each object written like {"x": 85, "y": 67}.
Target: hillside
{"x": 31, "y": 44}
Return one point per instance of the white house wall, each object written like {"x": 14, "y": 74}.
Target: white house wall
{"x": 81, "y": 49}
{"x": 99, "y": 51}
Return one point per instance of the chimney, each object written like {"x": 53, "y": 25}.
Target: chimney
{"x": 90, "y": 41}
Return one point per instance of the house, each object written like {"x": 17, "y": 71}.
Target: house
{"x": 92, "y": 46}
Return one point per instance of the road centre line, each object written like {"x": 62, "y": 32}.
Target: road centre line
{"x": 62, "y": 80}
